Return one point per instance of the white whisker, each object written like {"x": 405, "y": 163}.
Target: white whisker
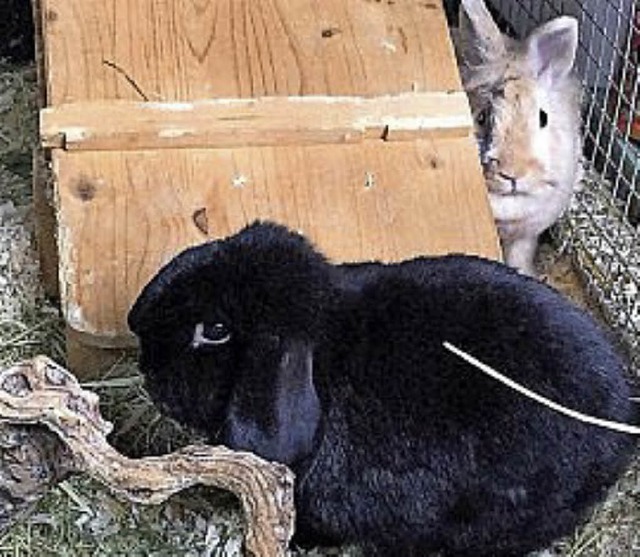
{"x": 607, "y": 424}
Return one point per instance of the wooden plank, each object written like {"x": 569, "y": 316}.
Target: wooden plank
{"x": 118, "y": 125}
{"x": 123, "y": 214}
{"x": 202, "y": 49}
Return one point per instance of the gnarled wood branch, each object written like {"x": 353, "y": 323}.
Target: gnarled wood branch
{"x": 50, "y": 428}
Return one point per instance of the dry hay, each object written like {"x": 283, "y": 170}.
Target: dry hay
{"x": 80, "y": 518}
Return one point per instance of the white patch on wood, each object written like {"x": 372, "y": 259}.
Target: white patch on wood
{"x": 328, "y": 99}
{"x": 172, "y": 133}
{"x": 388, "y": 45}
{"x": 414, "y": 123}
{"x": 74, "y": 315}
{"x": 75, "y": 134}
{"x": 66, "y": 267}
{"x": 239, "y": 181}
{"x": 168, "y": 106}
{"x": 69, "y": 286}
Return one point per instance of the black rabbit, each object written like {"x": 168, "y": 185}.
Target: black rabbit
{"x": 339, "y": 372}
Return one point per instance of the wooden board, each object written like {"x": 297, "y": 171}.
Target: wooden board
{"x": 200, "y": 49}
{"x": 123, "y": 214}
{"x": 132, "y": 189}
{"x": 118, "y": 125}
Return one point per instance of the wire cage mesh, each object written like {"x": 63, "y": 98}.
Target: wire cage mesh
{"x": 602, "y": 227}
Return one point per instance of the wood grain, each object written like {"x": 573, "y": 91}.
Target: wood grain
{"x": 136, "y": 189}
{"x": 123, "y": 214}
{"x": 119, "y": 125}
{"x": 200, "y": 49}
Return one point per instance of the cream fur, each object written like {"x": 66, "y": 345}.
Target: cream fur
{"x": 531, "y": 170}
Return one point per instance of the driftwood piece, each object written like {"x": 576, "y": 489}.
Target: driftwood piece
{"x": 50, "y": 428}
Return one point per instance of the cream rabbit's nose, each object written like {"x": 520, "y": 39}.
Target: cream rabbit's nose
{"x": 512, "y": 180}
{"x": 493, "y": 170}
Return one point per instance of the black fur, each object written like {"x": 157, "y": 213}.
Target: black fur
{"x": 339, "y": 372}
{"x": 17, "y": 35}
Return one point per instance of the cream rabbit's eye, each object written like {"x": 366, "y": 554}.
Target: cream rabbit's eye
{"x": 544, "y": 118}
{"x": 482, "y": 118}
{"x": 210, "y": 334}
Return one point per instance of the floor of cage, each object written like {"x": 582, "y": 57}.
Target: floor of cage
{"x": 80, "y": 518}
{"x": 604, "y": 248}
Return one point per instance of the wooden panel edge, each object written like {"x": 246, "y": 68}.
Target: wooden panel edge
{"x": 45, "y": 224}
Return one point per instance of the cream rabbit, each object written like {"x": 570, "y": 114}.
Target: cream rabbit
{"x": 526, "y": 105}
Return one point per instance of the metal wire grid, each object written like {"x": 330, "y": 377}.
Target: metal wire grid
{"x": 602, "y": 228}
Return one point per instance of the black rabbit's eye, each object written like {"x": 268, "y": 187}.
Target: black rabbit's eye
{"x": 216, "y": 331}
{"x": 210, "y": 334}
{"x": 544, "y": 119}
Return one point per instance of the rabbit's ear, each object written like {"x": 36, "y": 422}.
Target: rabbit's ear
{"x": 480, "y": 42}
{"x": 276, "y": 415}
{"x": 551, "y": 49}
{"x": 169, "y": 288}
